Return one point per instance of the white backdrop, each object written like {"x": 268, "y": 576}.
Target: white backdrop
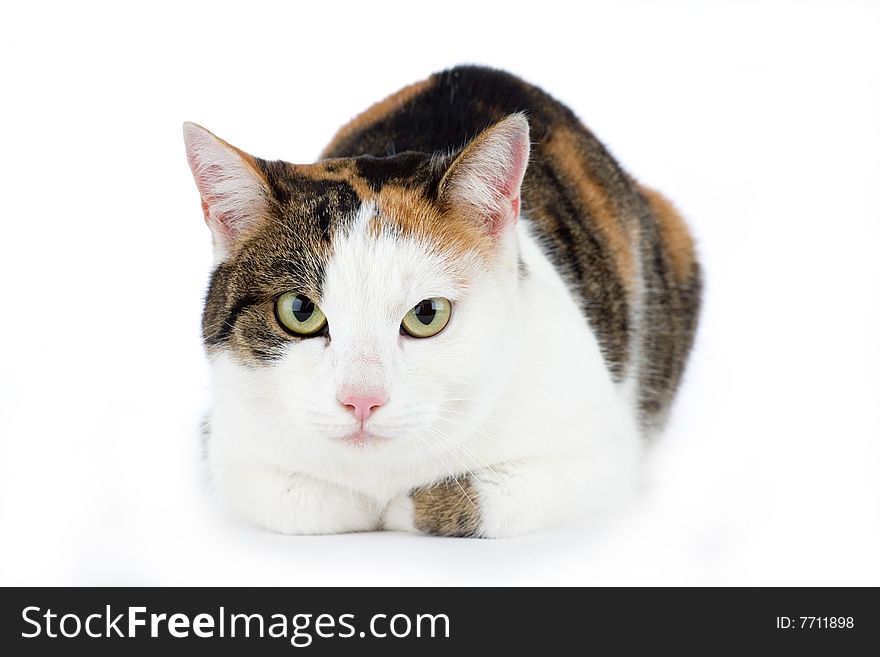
{"x": 760, "y": 120}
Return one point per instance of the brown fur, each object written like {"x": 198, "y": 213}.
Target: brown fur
{"x": 677, "y": 240}
{"x": 618, "y": 230}
{"x": 670, "y": 308}
{"x": 449, "y": 508}
{"x": 450, "y": 229}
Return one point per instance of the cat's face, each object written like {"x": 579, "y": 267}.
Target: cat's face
{"x": 364, "y": 303}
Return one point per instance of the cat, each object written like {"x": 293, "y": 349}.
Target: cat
{"x": 464, "y": 320}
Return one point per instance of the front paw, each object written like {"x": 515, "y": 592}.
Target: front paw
{"x": 399, "y": 515}
{"x": 448, "y": 508}
{"x": 289, "y": 503}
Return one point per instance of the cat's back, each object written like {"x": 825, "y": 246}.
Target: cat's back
{"x": 621, "y": 248}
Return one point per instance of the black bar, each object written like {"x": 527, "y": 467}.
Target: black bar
{"x": 522, "y": 621}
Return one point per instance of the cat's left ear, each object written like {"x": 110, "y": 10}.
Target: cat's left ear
{"x": 487, "y": 175}
{"x": 234, "y": 192}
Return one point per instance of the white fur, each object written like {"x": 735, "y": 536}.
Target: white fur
{"x": 399, "y": 515}
{"x": 513, "y": 391}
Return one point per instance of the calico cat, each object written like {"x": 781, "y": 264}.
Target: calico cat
{"x": 465, "y": 319}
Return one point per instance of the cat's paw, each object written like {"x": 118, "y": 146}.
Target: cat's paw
{"x": 289, "y": 503}
{"x": 448, "y": 508}
{"x": 400, "y": 515}
{"x": 511, "y": 499}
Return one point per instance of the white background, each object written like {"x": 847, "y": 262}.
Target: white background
{"x": 761, "y": 121}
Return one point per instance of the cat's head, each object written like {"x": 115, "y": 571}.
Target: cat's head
{"x": 364, "y": 302}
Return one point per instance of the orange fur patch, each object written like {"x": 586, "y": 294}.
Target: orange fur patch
{"x": 619, "y": 234}
{"x": 677, "y": 241}
{"x": 452, "y": 231}
{"x": 340, "y": 170}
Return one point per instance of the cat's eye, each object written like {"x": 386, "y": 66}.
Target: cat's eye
{"x": 299, "y": 315}
{"x": 427, "y": 318}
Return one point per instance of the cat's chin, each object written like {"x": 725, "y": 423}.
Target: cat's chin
{"x": 362, "y": 439}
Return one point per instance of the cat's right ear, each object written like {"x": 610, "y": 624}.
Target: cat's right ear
{"x": 487, "y": 175}
{"x": 234, "y": 193}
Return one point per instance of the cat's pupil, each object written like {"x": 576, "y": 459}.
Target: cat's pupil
{"x": 425, "y": 312}
{"x": 302, "y": 308}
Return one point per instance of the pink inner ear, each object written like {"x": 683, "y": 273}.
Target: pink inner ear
{"x": 510, "y": 190}
{"x": 231, "y": 191}
{"x": 516, "y": 208}
{"x": 489, "y": 173}
{"x": 519, "y": 160}
{"x": 506, "y": 215}
{"x": 209, "y": 178}
{"x": 216, "y": 223}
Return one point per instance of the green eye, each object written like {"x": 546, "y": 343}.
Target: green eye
{"x": 428, "y": 318}
{"x": 299, "y": 315}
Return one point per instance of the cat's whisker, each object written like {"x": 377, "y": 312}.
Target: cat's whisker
{"x": 473, "y": 429}
{"x": 442, "y": 438}
{"x": 421, "y": 457}
{"x": 489, "y": 420}
{"x": 483, "y": 463}
{"x": 452, "y": 476}
{"x": 453, "y": 410}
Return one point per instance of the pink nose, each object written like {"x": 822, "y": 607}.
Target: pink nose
{"x": 363, "y": 407}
